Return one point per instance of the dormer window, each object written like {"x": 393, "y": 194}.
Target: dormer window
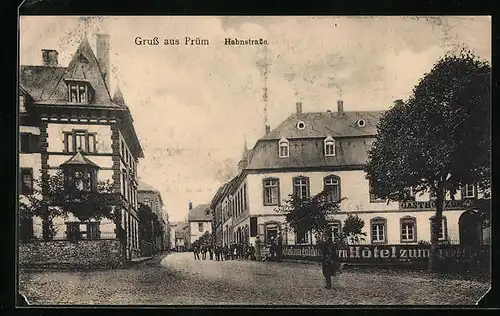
{"x": 284, "y": 148}
{"x": 329, "y": 146}
{"x": 78, "y": 93}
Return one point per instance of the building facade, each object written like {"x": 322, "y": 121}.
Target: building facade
{"x": 200, "y": 222}
{"x": 156, "y": 226}
{"x": 70, "y": 122}
{"x": 313, "y": 152}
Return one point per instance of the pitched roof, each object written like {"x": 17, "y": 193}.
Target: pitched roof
{"x": 199, "y": 213}
{"x": 79, "y": 160}
{"x": 322, "y": 124}
{"x": 39, "y": 81}
{"x": 352, "y": 141}
{"x": 144, "y": 187}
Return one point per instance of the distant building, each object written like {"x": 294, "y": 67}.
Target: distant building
{"x": 178, "y": 236}
{"x": 154, "y": 226}
{"x": 200, "y": 221}
{"x": 325, "y": 151}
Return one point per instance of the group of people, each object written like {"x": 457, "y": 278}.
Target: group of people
{"x": 221, "y": 253}
{"x": 330, "y": 263}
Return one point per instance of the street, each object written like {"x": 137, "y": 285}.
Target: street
{"x": 178, "y": 279}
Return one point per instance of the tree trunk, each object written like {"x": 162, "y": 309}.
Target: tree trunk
{"x": 46, "y": 229}
{"x": 436, "y": 224}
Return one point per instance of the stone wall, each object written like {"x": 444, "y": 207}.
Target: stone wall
{"x": 64, "y": 254}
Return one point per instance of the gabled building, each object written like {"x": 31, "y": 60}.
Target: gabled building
{"x": 324, "y": 151}
{"x": 70, "y": 121}
{"x": 200, "y": 222}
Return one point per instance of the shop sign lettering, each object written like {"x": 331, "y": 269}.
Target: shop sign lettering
{"x": 431, "y": 205}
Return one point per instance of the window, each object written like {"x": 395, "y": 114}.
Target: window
{"x": 329, "y": 146}
{"x": 81, "y": 179}
{"x": 245, "y": 196}
{"x": 124, "y": 183}
{"x": 442, "y": 235}
{"x": 78, "y": 93}
{"x": 73, "y": 230}
{"x": 408, "y": 229}
{"x": 336, "y": 228}
{"x": 29, "y": 143}
{"x": 80, "y": 140}
{"x": 93, "y": 231}
{"x": 271, "y": 191}
{"x": 378, "y": 229}
{"x": 373, "y": 197}
{"x": 469, "y": 191}
{"x": 200, "y": 227}
{"x": 332, "y": 188}
{"x": 284, "y": 150}
{"x": 432, "y": 195}
{"x": 22, "y": 106}
{"x": 301, "y": 187}
{"x": 26, "y": 181}
{"x": 302, "y": 236}
{"x": 410, "y": 194}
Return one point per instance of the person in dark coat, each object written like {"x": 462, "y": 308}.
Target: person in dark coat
{"x": 211, "y": 252}
{"x": 225, "y": 252}
{"x": 196, "y": 252}
{"x": 329, "y": 259}
{"x": 279, "y": 247}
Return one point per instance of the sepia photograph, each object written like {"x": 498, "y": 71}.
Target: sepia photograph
{"x": 253, "y": 160}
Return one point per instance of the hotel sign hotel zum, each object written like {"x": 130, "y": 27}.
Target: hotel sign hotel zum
{"x": 373, "y": 253}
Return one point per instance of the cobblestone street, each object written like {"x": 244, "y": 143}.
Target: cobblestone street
{"x": 178, "y": 279}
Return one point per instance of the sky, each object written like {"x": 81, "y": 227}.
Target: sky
{"x": 194, "y": 107}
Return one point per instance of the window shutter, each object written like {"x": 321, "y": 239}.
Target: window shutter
{"x": 262, "y": 235}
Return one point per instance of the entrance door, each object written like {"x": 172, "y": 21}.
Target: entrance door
{"x": 271, "y": 232}
{"x": 469, "y": 229}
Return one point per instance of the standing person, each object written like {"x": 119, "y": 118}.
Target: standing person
{"x": 279, "y": 246}
{"x": 203, "y": 252}
{"x": 329, "y": 258}
{"x": 217, "y": 252}
{"x": 225, "y": 251}
{"x": 211, "y": 252}
{"x": 196, "y": 252}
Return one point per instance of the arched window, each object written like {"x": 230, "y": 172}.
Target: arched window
{"x": 301, "y": 187}
{"x": 329, "y": 146}
{"x": 378, "y": 227}
{"x": 332, "y": 188}
{"x": 408, "y": 226}
{"x": 443, "y": 230}
{"x": 284, "y": 148}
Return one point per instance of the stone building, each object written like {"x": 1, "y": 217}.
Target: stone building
{"x": 309, "y": 153}
{"x": 69, "y": 122}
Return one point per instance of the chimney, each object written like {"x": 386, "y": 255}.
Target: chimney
{"x": 190, "y": 206}
{"x": 340, "y": 108}
{"x": 268, "y": 129}
{"x": 49, "y": 57}
{"x": 102, "y": 47}
{"x": 299, "y": 107}
{"x": 398, "y": 102}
